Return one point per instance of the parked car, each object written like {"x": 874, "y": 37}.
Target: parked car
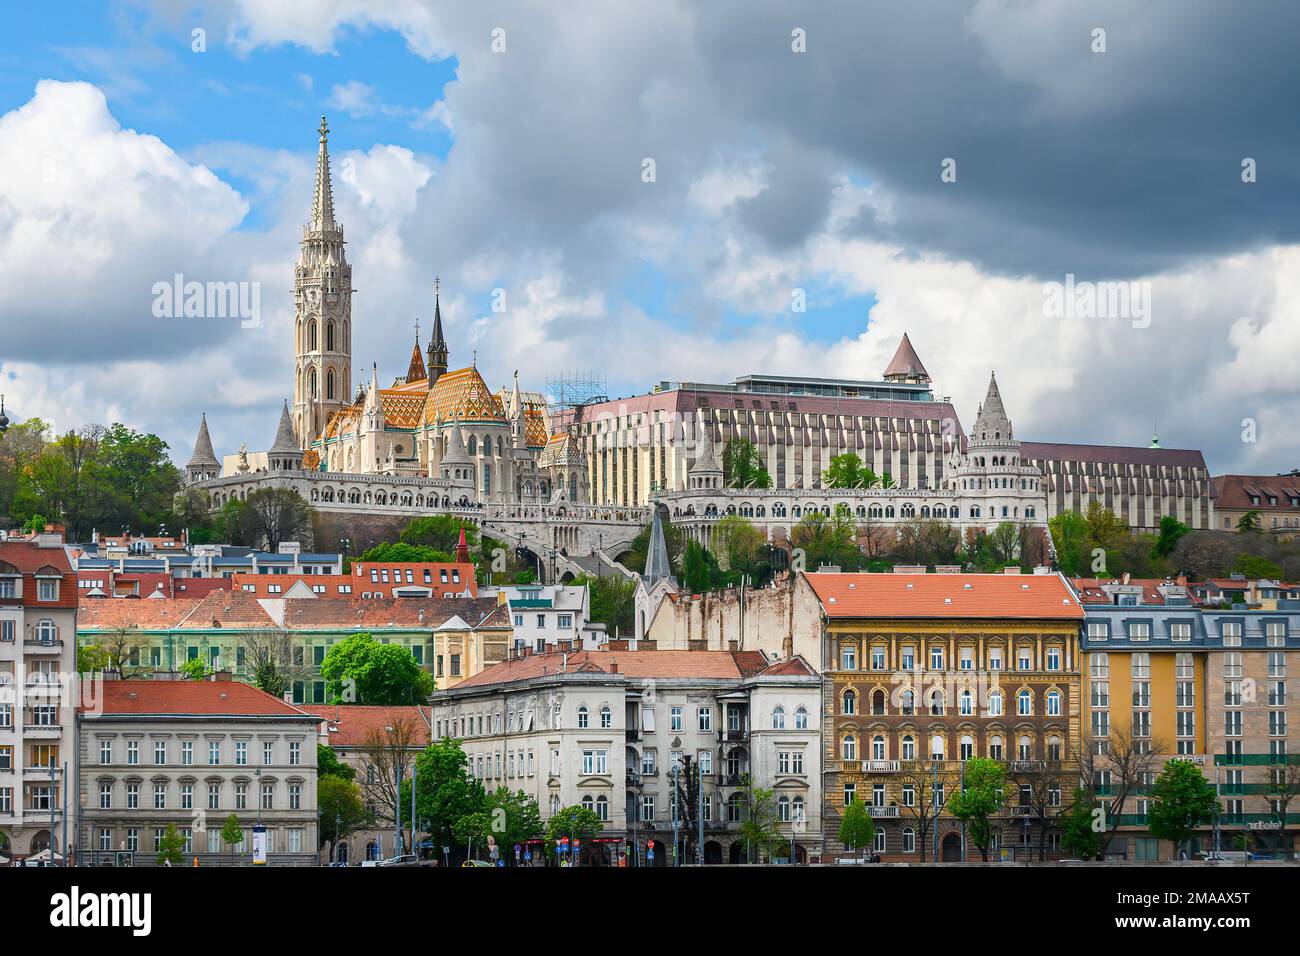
{"x": 406, "y": 859}
{"x": 476, "y": 863}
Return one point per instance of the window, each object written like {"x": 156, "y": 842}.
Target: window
{"x": 849, "y": 747}
{"x": 704, "y": 717}
{"x": 1180, "y": 631}
{"x": 160, "y": 752}
{"x": 995, "y": 658}
{"x": 133, "y": 752}
{"x": 295, "y": 753}
{"x": 849, "y": 657}
{"x": 295, "y": 796}
{"x": 778, "y": 717}
{"x": 1139, "y": 631}
{"x": 133, "y": 796}
{"x": 1053, "y": 658}
{"x": 675, "y": 720}
{"x": 187, "y": 753}
{"x": 1024, "y": 704}
{"x": 606, "y": 717}
{"x": 214, "y": 752}
{"x": 241, "y": 753}
{"x": 850, "y": 703}
{"x": 268, "y": 796}
{"x": 909, "y": 840}
{"x": 995, "y": 748}
{"x": 1231, "y": 631}
{"x": 936, "y": 658}
{"x": 582, "y": 716}
{"x": 1098, "y": 630}
{"x": 47, "y": 590}
{"x": 105, "y": 796}
{"x": 160, "y": 796}
{"x": 1025, "y": 659}
{"x": 877, "y": 658}
{"x": 1053, "y": 703}
{"x": 937, "y": 746}
{"x": 106, "y": 751}
{"x": 268, "y": 752}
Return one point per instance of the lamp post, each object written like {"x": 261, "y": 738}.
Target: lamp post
{"x": 257, "y": 779}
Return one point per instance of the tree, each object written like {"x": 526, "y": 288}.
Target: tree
{"x": 1284, "y": 786}
{"x": 1080, "y": 834}
{"x": 171, "y": 850}
{"x": 121, "y": 645}
{"x": 228, "y": 525}
{"x": 328, "y": 764}
{"x": 927, "y": 541}
{"x": 759, "y": 825}
{"x": 827, "y": 540}
{"x": 700, "y": 571}
{"x": 1249, "y": 523}
{"x": 440, "y": 533}
{"x": 924, "y": 808}
{"x": 979, "y": 797}
{"x": 575, "y": 822}
{"x": 1040, "y": 792}
{"x": 1255, "y": 568}
{"x": 91, "y": 659}
{"x": 741, "y": 548}
{"x": 742, "y": 465}
{"x": 232, "y": 834}
{"x": 508, "y": 817}
{"x": 1127, "y": 761}
{"x": 270, "y": 658}
{"x": 857, "y": 829}
{"x": 361, "y": 670}
{"x": 193, "y": 669}
{"x": 1181, "y": 801}
{"x": 1004, "y": 544}
{"x": 1069, "y": 538}
{"x": 848, "y": 471}
{"x": 612, "y": 599}
{"x": 687, "y": 783}
{"x": 389, "y": 752}
{"x": 273, "y": 515}
{"x": 402, "y": 553}
{"x": 342, "y": 811}
{"x": 1171, "y": 531}
{"x": 444, "y": 791}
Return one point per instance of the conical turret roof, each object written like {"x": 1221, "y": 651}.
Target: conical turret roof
{"x": 285, "y": 440}
{"x": 992, "y": 424}
{"x": 203, "y": 453}
{"x": 322, "y": 205}
{"x": 657, "y": 566}
{"x": 906, "y": 364}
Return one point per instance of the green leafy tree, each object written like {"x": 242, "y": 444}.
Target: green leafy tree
{"x": 613, "y": 601}
{"x": 193, "y": 669}
{"x": 979, "y": 798}
{"x": 440, "y": 533}
{"x": 1079, "y": 835}
{"x": 1254, "y": 568}
{"x": 827, "y": 540}
{"x": 508, "y": 817}
{"x": 525, "y": 576}
{"x": 742, "y": 550}
{"x": 171, "y": 850}
{"x": 1171, "y": 531}
{"x": 1181, "y": 800}
{"x": 575, "y": 822}
{"x": 361, "y": 670}
{"x": 232, "y": 834}
{"x": 857, "y": 829}
{"x": 1070, "y": 539}
{"x": 1250, "y": 522}
{"x": 91, "y": 659}
{"x": 444, "y": 791}
{"x": 700, "y": 571}
{"x": 328, "y": 764}
{"x": 848, "y": 471}
{"x": 228, "y": 524}
{"x": 742, "y": 465}
{"x": 759, "y": 826}
{"x": 402, "y": 552}
{"x": 342, "y": 810}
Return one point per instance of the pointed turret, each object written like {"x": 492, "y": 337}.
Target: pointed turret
{"x": 456, "y": 454}
{"x": 203, "y": 464}
{"x": 705, "y": 471}
{"x": 992, "y": 425}
{"x": 415, "y": 372}
{"x": 322, "y": 206}
{"x": 518, "y": 427}
{"x": 656, "y": 561}
{"x": 285, "y": 455}
{"x": 906, "y": 365}
{"x": 437, "y": 344}
{"x": 462, "y": 548}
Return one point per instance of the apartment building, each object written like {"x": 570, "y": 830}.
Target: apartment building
{"x": 38, "y": 694}
{"x": 1168, "y": 677}
{"x": 616, "y": 731}
{"x": 925, "y": 671}
{"x": 186, "y": 753}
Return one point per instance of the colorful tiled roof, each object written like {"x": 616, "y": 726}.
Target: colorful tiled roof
{"x": 462, "y": 396}
{"x": 402, "y": 407}
{"x": 996, "y": 596}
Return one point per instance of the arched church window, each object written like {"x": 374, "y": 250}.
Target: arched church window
{"x": 329, "y": 383}
{"x": 329, "y": 337}
{"x": 311, "y": 336}
{"x": 311, "y": 383}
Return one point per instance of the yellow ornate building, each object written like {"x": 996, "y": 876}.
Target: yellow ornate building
{"x": 924, "y": 672}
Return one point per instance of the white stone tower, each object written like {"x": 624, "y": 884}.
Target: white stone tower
{"x": 991, "y": 481}
{"x": 322, "y": 375}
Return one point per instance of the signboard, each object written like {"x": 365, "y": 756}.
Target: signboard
{"x": 259, "y": 845}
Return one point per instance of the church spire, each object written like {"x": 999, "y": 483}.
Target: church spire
{"x": 415, "y": 372}
{"x": 437, "y": 344}
{"x": 203, "y": 463}
{"x": 322, "y": 206}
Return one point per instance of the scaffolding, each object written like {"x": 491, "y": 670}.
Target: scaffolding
{"x": 569, "y": 391}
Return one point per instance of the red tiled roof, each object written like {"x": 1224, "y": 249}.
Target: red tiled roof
{"x": 1234, "y": 491}
{"x": 158, "y": 614}
{"x": 1091, "y": 592}
{"x": 200, "y": 587}
{"x": 420, "y": 613}
{"x": 186, "y": 697}
{"x": 998, "y": 596}
{"x": 228, "y": 609}
{"x": 361, "y": 569}
{"x": 356, "y": 722}
{"x": 25, "y": 558}
{"x": 637, "y": 664}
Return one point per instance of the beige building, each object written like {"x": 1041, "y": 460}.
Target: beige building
{"x": 606, "y": 729}
{"x": 38, "y": 694}
{"x": 191, "y": 753}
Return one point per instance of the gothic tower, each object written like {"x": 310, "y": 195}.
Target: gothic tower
{"x": 322, "y": 379}
{"x": 437, "y": 344}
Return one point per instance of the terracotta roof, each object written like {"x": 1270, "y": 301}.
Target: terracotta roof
{"x": 1091, "y": 592}
{"x": 262, "y": 582}
{"x": 360, "y": 579}
{"x": 185, "y": 697}
{"x": 998, "y": 596}
{"x": 415, "y": 613}
{"x": 1234, "y": 491}
{"x": 230, "y": 609}
{"x": 905, "y": 362}
{"x": 26, "y": 557}
{"x": 200, "y": 587}
{"x": 356, "y": 722}
{"x": 635, "y": 664}
{"x": 156, "y": 615}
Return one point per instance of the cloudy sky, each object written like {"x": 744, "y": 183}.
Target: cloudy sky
{"x": 794, "y": 146}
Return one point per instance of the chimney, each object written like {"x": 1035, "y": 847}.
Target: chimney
{"x": 613, "y": 665}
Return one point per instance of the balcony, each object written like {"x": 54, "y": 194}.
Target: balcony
{"x": 632, "y": 734}
{"x": 1019, "y": 811}
{"x": 1028, "y": 766}
{"x": 738, "y": 736}
{"x": 633, "y": 778}
{"x": 47, "y": 647}
{"x": 881, "y": 766}
{"x": 43, "y": 731}
{"x": 732, "y": 780}
{"x": 882, "y": 811}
